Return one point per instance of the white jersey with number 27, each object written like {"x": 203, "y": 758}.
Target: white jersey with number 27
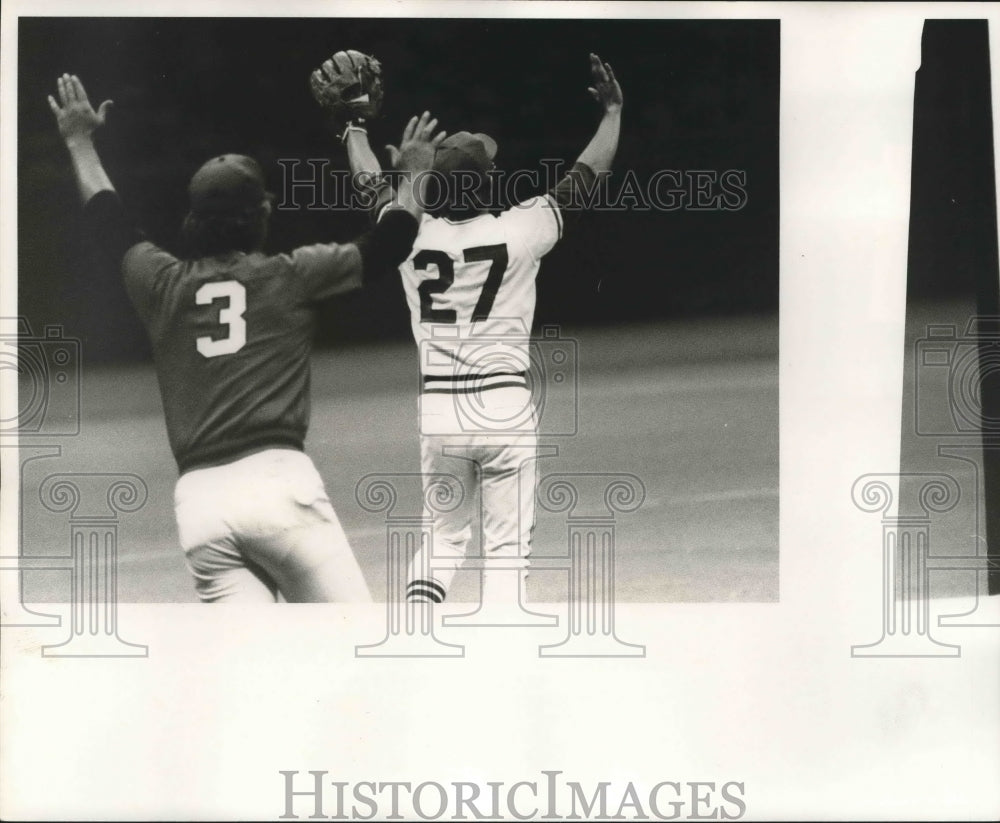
{"x": 470, "y": 286}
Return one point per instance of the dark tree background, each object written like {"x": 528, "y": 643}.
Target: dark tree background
{"x": 699, "y": 95}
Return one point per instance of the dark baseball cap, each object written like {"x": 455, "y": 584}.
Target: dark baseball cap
{"x": 464, "y": 150}
{"x": 228, "y": 184}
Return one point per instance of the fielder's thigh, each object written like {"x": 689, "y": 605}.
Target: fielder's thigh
{"x": 271, "y": 507}
{"x": 204, "y": 510}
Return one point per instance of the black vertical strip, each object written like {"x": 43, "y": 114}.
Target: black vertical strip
{"x": 953, "y": 272}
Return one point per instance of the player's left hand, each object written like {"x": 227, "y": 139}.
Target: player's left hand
{"x": 417, "y": 148}
{"x": 348, "y": 86}
{"x": 74, "y": 115}
{"x": 605, "y": 90}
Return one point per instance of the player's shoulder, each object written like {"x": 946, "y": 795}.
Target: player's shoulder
{"x": 145, "y": 249}
{"x": 528, "y": 214}
{"x": 535, "y": 223}
{"x": 145, "y": 262}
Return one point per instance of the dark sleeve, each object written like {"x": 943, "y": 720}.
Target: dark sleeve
{"x": 109, "y": 228}
{"x": 574, "y": 191}
{"x": 147, "y": 270}
{"x": 388, "y": 243}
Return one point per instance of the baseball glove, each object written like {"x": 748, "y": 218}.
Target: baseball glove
{"x": 348, "y": 86}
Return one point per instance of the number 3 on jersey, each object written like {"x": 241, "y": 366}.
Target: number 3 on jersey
{"x": 231, "y": 316}
{"x": 497, "y": 257}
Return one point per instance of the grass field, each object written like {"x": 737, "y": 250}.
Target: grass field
{"x": 691, "y": 408}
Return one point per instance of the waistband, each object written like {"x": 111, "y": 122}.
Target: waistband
{"x": 468, "y": 383}
{"x": 223, "y": 453}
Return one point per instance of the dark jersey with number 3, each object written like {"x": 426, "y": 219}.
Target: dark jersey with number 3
{"x": 231, "y": 337}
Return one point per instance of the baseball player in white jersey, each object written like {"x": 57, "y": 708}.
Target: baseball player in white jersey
{"x": 470, "y": 287}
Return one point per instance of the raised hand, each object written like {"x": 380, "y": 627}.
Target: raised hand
{"x": 417, "y": 148}
{"x": 605, "y": 90}
{"x": 74, "y": 115}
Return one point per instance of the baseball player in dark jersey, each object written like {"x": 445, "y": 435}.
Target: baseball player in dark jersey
{"x": 231, "y": 330}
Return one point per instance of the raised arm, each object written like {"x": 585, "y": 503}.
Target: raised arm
{"x": 77, "y": 123}
{"x": 600, "y": 151}
{"x": 364, "y": 164}
{"x": 577, "y": 187}
{"x": 387, "y": 245}
{"x": 109, "y": 229}
{"x": 412, "y": 161}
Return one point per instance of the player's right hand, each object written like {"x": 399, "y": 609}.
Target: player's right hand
{"x": 74, "y": 115}
{"x": 417, "y": 148}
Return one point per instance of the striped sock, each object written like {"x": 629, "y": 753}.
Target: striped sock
{"x": 425, "y": 591}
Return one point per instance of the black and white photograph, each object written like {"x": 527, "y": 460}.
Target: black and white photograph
{"x": 514, "y": 410}
{"x": 638, "y": 318}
